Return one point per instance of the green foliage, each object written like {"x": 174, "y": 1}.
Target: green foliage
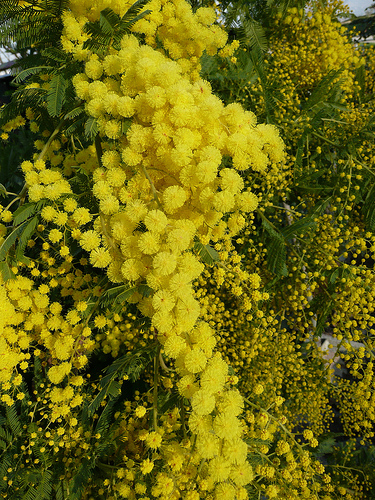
{"x": 110, "y": 28}
{"x": 208, "y": 254}
{"x": 308, "y": 245}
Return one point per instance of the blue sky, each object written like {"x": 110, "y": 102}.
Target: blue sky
{"x": 358, "y": 6}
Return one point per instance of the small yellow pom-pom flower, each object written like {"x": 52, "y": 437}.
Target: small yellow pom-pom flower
{"x": 147, "y": 466}
{"x": 173, "y": 198}
{"x": 90, "y": 240}
{"x": 153, "y": 440}
{"x": 140, "y": 411}
{"x": 203, "y": 403}
{"x": 100, "y": 257}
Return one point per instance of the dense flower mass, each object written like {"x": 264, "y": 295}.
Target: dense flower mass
{"x": 171, "y": 263}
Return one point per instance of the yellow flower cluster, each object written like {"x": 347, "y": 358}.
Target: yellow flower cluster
{"x": 44, "y": 183}
{"x": 313, "y": 46}
{"x": 62, "y": 336}
{"x": 183, "y": 35}
{"x": 161, "y": 187}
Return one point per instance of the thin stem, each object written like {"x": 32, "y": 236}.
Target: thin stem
{"x": 162, "y": 363}
{"x": 325, "y": 139}
{"x": 153, "y": 189}
{"x": 290, "y": 434}
{"x": 99, "y": 150}
{"x": 109, "y": 239}
{"x": 259, "y": 212}
{"x": 51, "y": 138}
{"x": 283, "y": 208}
{"x": 156, "y": 383}
{"x": 11, "y": 203}
{"x": 183, "y": 418}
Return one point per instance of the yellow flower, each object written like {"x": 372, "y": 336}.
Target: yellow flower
{"x": 140, "y": 411}
{"x": 153, "y": 440}
{"x": 195, "y": 360}
{"x": 57, "y": 373}
{"x": 100, "y": 257}
{"x": 219, "y": 469}
{"x": 202, "y": 402}
{"x": 173, "y": 198}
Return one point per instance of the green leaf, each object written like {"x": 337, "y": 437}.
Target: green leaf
{"x": 26, "y": 234}
{"x": 134, "y": 13}
{"x": 21, "y": 100}
{"x": 91, "y": 128}
{"x": 145, "y": 290}
{"x": 108, "y": 20}
{"x": 6, "y": 271}
{"x": 119, "y": 293}
{"x": 254, "y": 34}
{"x": 23, "y": 75}
{"x": 24, "y": 212}
{"x": 368, "y": 208}
{"x": 327, "y": 86}
{"x": 334, "y": 276}
{"x": 80, "y": 480}
{"x": 74, "y": 112}
{"x": 110, "y": 28}
{"x": 322, "y": 318}
{"x": 276, "y": 257}
{"x": 276, "y": 249}
{"x": 300, "y": 226}
{"x": 55, "y": 54}
{"x": 76, "y": 125}
{"x": 125, "y": 125}
{"x": 56, "y": 94}
{"x": 10, "y": 240}
{"x": 13, "y": 420}
{"x": 3, "y": 191}
{"x": 208, "y": 254}
{"x": 325, "y": 447}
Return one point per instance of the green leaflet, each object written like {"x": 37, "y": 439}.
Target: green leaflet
{"x": 110, "y": 28}
{"x": 26, "y": 235}
{"x": 131, "y": 364}
{"x": 25, "y": 228}
{"x": 22, "y": 99}
{"x": 368, "y": 208}
{"x": 91, "y": 128}
{"x": 276, "y": 249}
{"x": 254, "y": 33}
{"x": 25, "y": 211}
{"x": 74, "y": 112}
{"x": 79, "y": 481}
{"x": 326, "y": 310}
{"x": 300, "y": 226}
{"x": 6, "y": 271}
{"x": 326, "y": 88}
{"x": 276, "y": 257}
{"x": 119, "y": 294}
{"x": 55, "y": 54}
{"x": 13, "y": 419}
{"x": 23, "y": 75}
{"x": 10, "y": 240}
{"x": 208, "y": 254}
{"x": 56, "y": 94}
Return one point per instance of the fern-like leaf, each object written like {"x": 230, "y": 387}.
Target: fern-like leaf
{"x": 208, "y": 254}
{"x": 10, "y": 240}
{"x": 253, "y": 33}
{"x": 56, "y": 94}
{"x": 21, "y": 77}
{"x": 91, "y": 128}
